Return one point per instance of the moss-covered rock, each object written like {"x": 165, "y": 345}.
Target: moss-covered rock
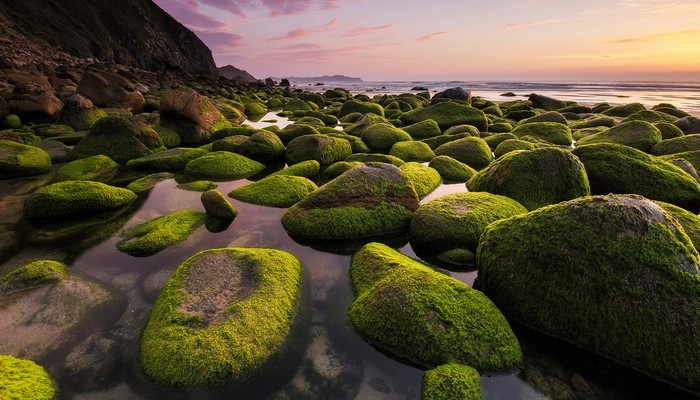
{"x": 221, "y": 317}
{"x": 500, "y": 127}
{"x": 291, "y": 132}
{"x": 448, "y": 114}
{"x": 451, "y": 169}
{"x": 275, "y": 191}
{"x": 169, "y": 137}
{"x": 254, "y": 108}
{"x": 534, "y": 178}
{"x": 472, "y": 151}
{"x": 75, "y": 198}
{"x": 382, "y": 158}
{"x": 364, "y": 122}
{"x": 550, "y": 116}
{"x": 613, "y": 168}
{"x": 689, "y": 221}
{"x": 614, "y": 274}
{"x": 412, "y": 151}
{"x": 80, "y": 113}
{"x": 169, "y": 160}
{"x": 357, "y": 145}
{"x": 418, "y": 313}
{"x": 262, "y": 146}
{"x": 19, "y": 160}
{"x": 336, "y": 169}
{"x": 624, "y": 110}
{"x": 297, "y": 105}
{"x": 95, "y": 168}
{"x": 495, "y": 139}
{"x": 148, "y": 182}
{"x": 119, "y": 138}
{"x": 692, "y": 157}
{"x": 194, "y": 117}
{"x": 309, "y": 169}
{"x": 380, "y": 137}
{"x": 24, "y": 380}
{"x": 424, "y": 179}
{"x": 34, "y": 274}
{"x": 509, "y": 145}
{"x": 438, "y": 141}
{"x": 546, "y": 103}
{"x": 216, "y": 205}
{"x": 324, "y": 149}
{"x": 424, "y": 129}
{"x": 650, "y": 116}
{"x": 362, "y": 107}
{"x": 593, "y": 121}
{"x": 198, "y": 186}
{"x": 552, "y": 132}
{"x": 457, "y": 220}
{"x": 222, "y": 165}
{"x": 677, "y": 145}
{"x": 156, "y": 235}
{"x": 368, "y": 200}
{"x": 638, "y": 134}
{"x": 451, "y": 381}
{"x": 668, "y": 130}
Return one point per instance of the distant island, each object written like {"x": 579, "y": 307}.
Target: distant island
{"x": 231, "y": 72}
{"x": 322, "y": 79}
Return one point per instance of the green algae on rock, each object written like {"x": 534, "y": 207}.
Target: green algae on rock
{"x": 457, "y": 220}
{"x": 416, "y": 312}
{"x": 34, "y": 274}
{"x": 374, "y": 157}
{"x": 472, "y": 151}
{"x": 614, "y": 168}
{"x": 380, "y": 137}
{"x": 338, "y": 168}
{"x": 148, "y": 182}
{"x": 552, "y": 132}
{"x": 216, "y": 205}
{"x": 169, "y": 160}
{"x": 309, "y": 169}
{"x": 368, "y": 200}
{"x": 637, "y": 134}
{"x": 156, "y": 235}
{"x": 363, "y": 107}
{"x": 94, "y": 168}
{"x": 689, "y": 221}
{"x": 75, "y": 198}
{"x": 275, "y": 191}
{"x": 451, "y": 381}
{"x": 412, "y": 151}
{"x": 24, "y": 380}
{"x": 615, "y": 274}
{"x": 423, "y": 130}
{"x": 222, "y": 165}
{"x": 677, "y": 145}
{"x": 534, "y": 178}
{"x": 263, "y": 146}
{"x": 221, "y": 317}
{"x": 198, "y": 186}
{"x": 509, "y": 145}
{"x": 19, "y": 160}
{"x": 424, "y": 179}
{"x": 448, "y": 114}
{"x": 452, "y": 170}
{"x": 324, "y": 149}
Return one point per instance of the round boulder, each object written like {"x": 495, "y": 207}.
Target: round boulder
{"x": 75, "y": 198}
{"x": 19, "y": 160}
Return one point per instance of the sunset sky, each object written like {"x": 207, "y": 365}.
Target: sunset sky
{"x": 545, "y": 40}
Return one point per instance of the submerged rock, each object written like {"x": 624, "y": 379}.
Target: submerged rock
{"x": 23, "y": 379}
{"x": 153, "y": 236}
{"x": 367, "y": 200}
{"x": 75, "y": 198}
{"x": 418, "y": 313}
{"x": 19, "y": 160}
{"x": 614, "y": 274}
{"x": 169, "y": 160}
{"x": 221, "y": 317}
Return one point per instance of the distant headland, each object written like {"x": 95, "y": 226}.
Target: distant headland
{"x": 322, "y": 79}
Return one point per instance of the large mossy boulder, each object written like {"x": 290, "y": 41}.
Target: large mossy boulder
{"x": 624, "y": 110}
{"x": 75, "y": 198}
{"x": 424, "y": 178}
{"x": 452, "y": 170}
{"x": 615, "y": 274}
{"x": 95, "y": 168}
{"x": 291, "y": 132}
{"x": 119, "y": 138}
{"x": 689, "y": 221}
{"x": 546, "y": 103}
{"x": 447, "y": 114}
{"x": 613, "y": 168}
{"x": 263, "y": 146}
{"x": 412, "y": 151}
{"x": 24, "y": 380}
{"x": 80, "y": 113}
{"x": 451, "y": 381}
{"x": 20, "y": 160}
{"x": 380, "y": 137}
{"x": 552, "y": 132}
{"x": 457, "y": 220}
{"x": 366, "y": 201}
{"x": 423, "y": 130}
{"x": 473, "y": 151}
{"x": 418, "y": 313}
{"x": 156, "y": 235}
{"x": 169, "y": 160}
{"x": 638, "y": 134}
{"x": 362, "y": 107}
{"x": 222, "y": 165}
{"x": 191, "y": 115}
{"x": 309, "y": 169}
{"x": 275, "y": 191}
{"x": 534, "y": 178}
{"x": 677, "y": 145}
{"x": 322, "y": 148}
{"x": 221, "y": 317}
{"x": 509, "y": 145}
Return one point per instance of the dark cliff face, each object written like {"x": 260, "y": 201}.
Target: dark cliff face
{"x": 131, "y": 32}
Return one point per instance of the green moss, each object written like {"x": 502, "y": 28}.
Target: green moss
{"x": 650, "y": 116}
{"x": 291, "y": 132}
{"x": 613, "y": 274}
{"x": 509, "y": 145}
{"x": 620, "y": 169}
{"x": 363, "y": 122}
{"x": 245, "y": 130}
{"x": 324, "y": 149}
{"x": 579, "y": 134}
{"x": 313, "y": 121}
{"x": 451, "y": 169}
{"x": 169, "y": 137}
{"x": 362, "y": 107}
{"x": 95, "y": 168}
{"x": 534, "y": 178}
{"x": 692, "y": 157}
{"x": 677, "y": 145}
{"x": 689, "y": 221}
{"x": 550, "y": 116}
{"x": 148, "y": 182}
{"x": 254, "y": 108}
{"x": 34, "y": 274}
{"x": 222, "y": 165}
{"x": 58, "y": 130}
{"x": 75, "y": 198}
{"x": 668, "y": 130}
{"x": 418, "y": 313}
{"x": 637, "y": 134}
{"x": 275, "y": 191}
{"x": 471, "y": 130}
{"x": 624, "y": 110}
{"x": 24, "y": 380}
{"x": 412, "y": 151}
{"x": 500, "y": 127}
{"x": 380, "y": 137}
{"x": 457, "y": 220}
{"x": 11, "y": 121}
{"x": 169, "y": 160}
{"x": 297, "y": 105}
{"x": 472, "y": 151}
{"x": 438, "y": 141}
{"x": 308, "y": 169}
{"x": 383, "y": 158}
{"x": 423, "y": 178}
{"x": 552, "y": 132}
{"x": 198, "y": 186}
{"x": 448, "y": 114}
{"x": 216, "y": 205}
{"x": 336, "y": 169}
{"x": 357, "y": 145}
{"x": 180, "y": 349}
{"x": 156, "y": 235}
{"x": 19, "y": 160}
{"x": 593, "y": 122}
{"x": 423, "y": 130}
{"x": 451, "y": 381}
{"x": 496, "y": 139}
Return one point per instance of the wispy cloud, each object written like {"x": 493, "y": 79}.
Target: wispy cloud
{"x": 220, "y": 42}
{"x": 430, "y": 37}
{"x": 302, "y": 46}
{"x": 274, "y": 8}
{"x": 187, "y": 13}
{"x": 367, "y": 30}
{"x": 516, "y": 25}
{"x": 585, "y": 56}
{"x": 660, "y": 36}
{"x": 662, "y": 6}
{"x": 303, "y": 32}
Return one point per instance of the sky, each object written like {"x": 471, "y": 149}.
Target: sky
{"x": 461, "y": 40}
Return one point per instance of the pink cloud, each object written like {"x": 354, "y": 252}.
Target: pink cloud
{"x": 303, "y": 32}
{"x": 278, "y": 8}
{"x": 188, "y": 14}
{"x": 236, "y": 7}
{"x": 432, "y": 36}
{"x": 302, "y": 46}
{"x": 368, "y": 30}
{"x": 220, "y": 42}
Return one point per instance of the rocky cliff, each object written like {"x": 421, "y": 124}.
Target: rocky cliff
{"x": 135, "y": 33}
{"x": 231, "y": 72}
